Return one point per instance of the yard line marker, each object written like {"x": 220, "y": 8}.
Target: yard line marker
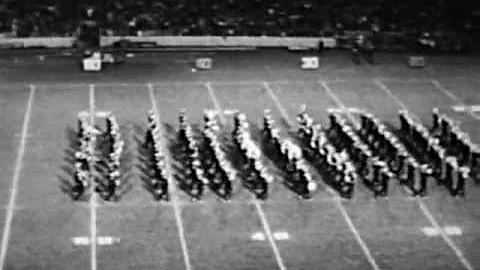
{"x": 475, "y": 108}
{"x": 93, "y": 198}
{"x": 261, "y": 213}
{"x": 449, "y": 94}
{"x": 101, "y": 240}
{"x": 258, "y": 236}
{"x": 444, "y": 236}
{"x": 449, "y": 230}
{"x": 171, "y": 184}
{"x": 15, "y": 179}
{"x": 281, "y": 236}
{"x": 269, "y": 234}
{"x": 453, "y": 230}
{"x": 423, "y": 207}
{"x": 459, "y": 108}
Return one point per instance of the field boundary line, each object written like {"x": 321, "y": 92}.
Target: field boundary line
{"x": 260, "y": 211}
{"x": 228, "y": 82}
{"x": 171, "y": 183}
{"x": 423, "y": 207}
{"x": 167, "y": 83}
{"x": 449, "y": 94}
{"x": 16, "y": 177}
{"x": 93, "y": 199}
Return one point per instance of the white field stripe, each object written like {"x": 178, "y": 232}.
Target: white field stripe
{"x": 280, "y": 108}
{"x": 16, "y": 176}
{"x": 93, "y": 198}
{"x": 171, "y": 184}
{"x": 268, "y": 232}
{"x": 339, "y": 103}
{"x": 444, "y": 235}
{"x": 357, "y": 235}
{"x": 261, "y": 213}
{"x": 382, "y": 86}
{"x": 389, "y": 92}
{"x": 216, "y": 103}
{"x": 449, "y": 94}
{"x": 423, "y": 207}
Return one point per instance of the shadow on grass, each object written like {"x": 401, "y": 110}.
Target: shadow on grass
{"x": 66, "y": 178}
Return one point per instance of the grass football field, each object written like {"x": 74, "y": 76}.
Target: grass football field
{"x": 40, "y": 225}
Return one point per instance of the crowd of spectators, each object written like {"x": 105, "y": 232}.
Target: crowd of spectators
{"x": 22, "y": 18}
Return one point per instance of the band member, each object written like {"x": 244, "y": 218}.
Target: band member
{"x": 363, "y": 48}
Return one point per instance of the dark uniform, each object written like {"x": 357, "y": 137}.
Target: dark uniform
{"x": 363, "y": 48}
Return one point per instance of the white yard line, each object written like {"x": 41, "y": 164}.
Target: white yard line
{"x": 215, "y": 101}
{"x": 452, "y": 96}
{"x": 382, "y": 86}
{"x": 15, "y": 179}
{"x": 93, "y": 199}
{"x": 268, "y": 232}
{"x": 339, "y": 103}
{"x": 423, "y": 207}
{"x": 260, "y": 211}
{"x": 279, "y": 106}
{"x": 449, "y": 94}
{"x": 444, "y": 235}
{"x": 338, "y": 200}
{"x": 171, "y": 185}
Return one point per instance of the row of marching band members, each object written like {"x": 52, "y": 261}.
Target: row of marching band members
{"x": 159, "y": 178}
{"x": 331, "y": 157}
{"x": 446, "y": 168}
{"x": 377, "y": 155}
{"x": 409, "y": 170}
{"x": 205, "y": 161}
{"x": 457, "y": 142}
{"x": 91, "y": 166}
{"x": 290, "y": 158}
{"x": 83, "y": 156}
{"x": 195, "y": 178}
{"x": 108, "y": 181}
{"x": 217, "y": 167}
{"x": 258, "y": 177}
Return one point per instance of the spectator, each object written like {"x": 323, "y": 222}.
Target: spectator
{"x": 236, "y": 17}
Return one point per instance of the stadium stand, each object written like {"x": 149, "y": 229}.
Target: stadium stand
{"x": 402, "y": 20}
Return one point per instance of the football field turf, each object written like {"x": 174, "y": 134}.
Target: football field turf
{"x": 39, "y": 223}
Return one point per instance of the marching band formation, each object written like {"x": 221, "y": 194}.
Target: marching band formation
{"x": 98, "y": 164}
{"x": 342, "y": 154}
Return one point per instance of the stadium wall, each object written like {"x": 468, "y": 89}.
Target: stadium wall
{"x": 178, "y": 41}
